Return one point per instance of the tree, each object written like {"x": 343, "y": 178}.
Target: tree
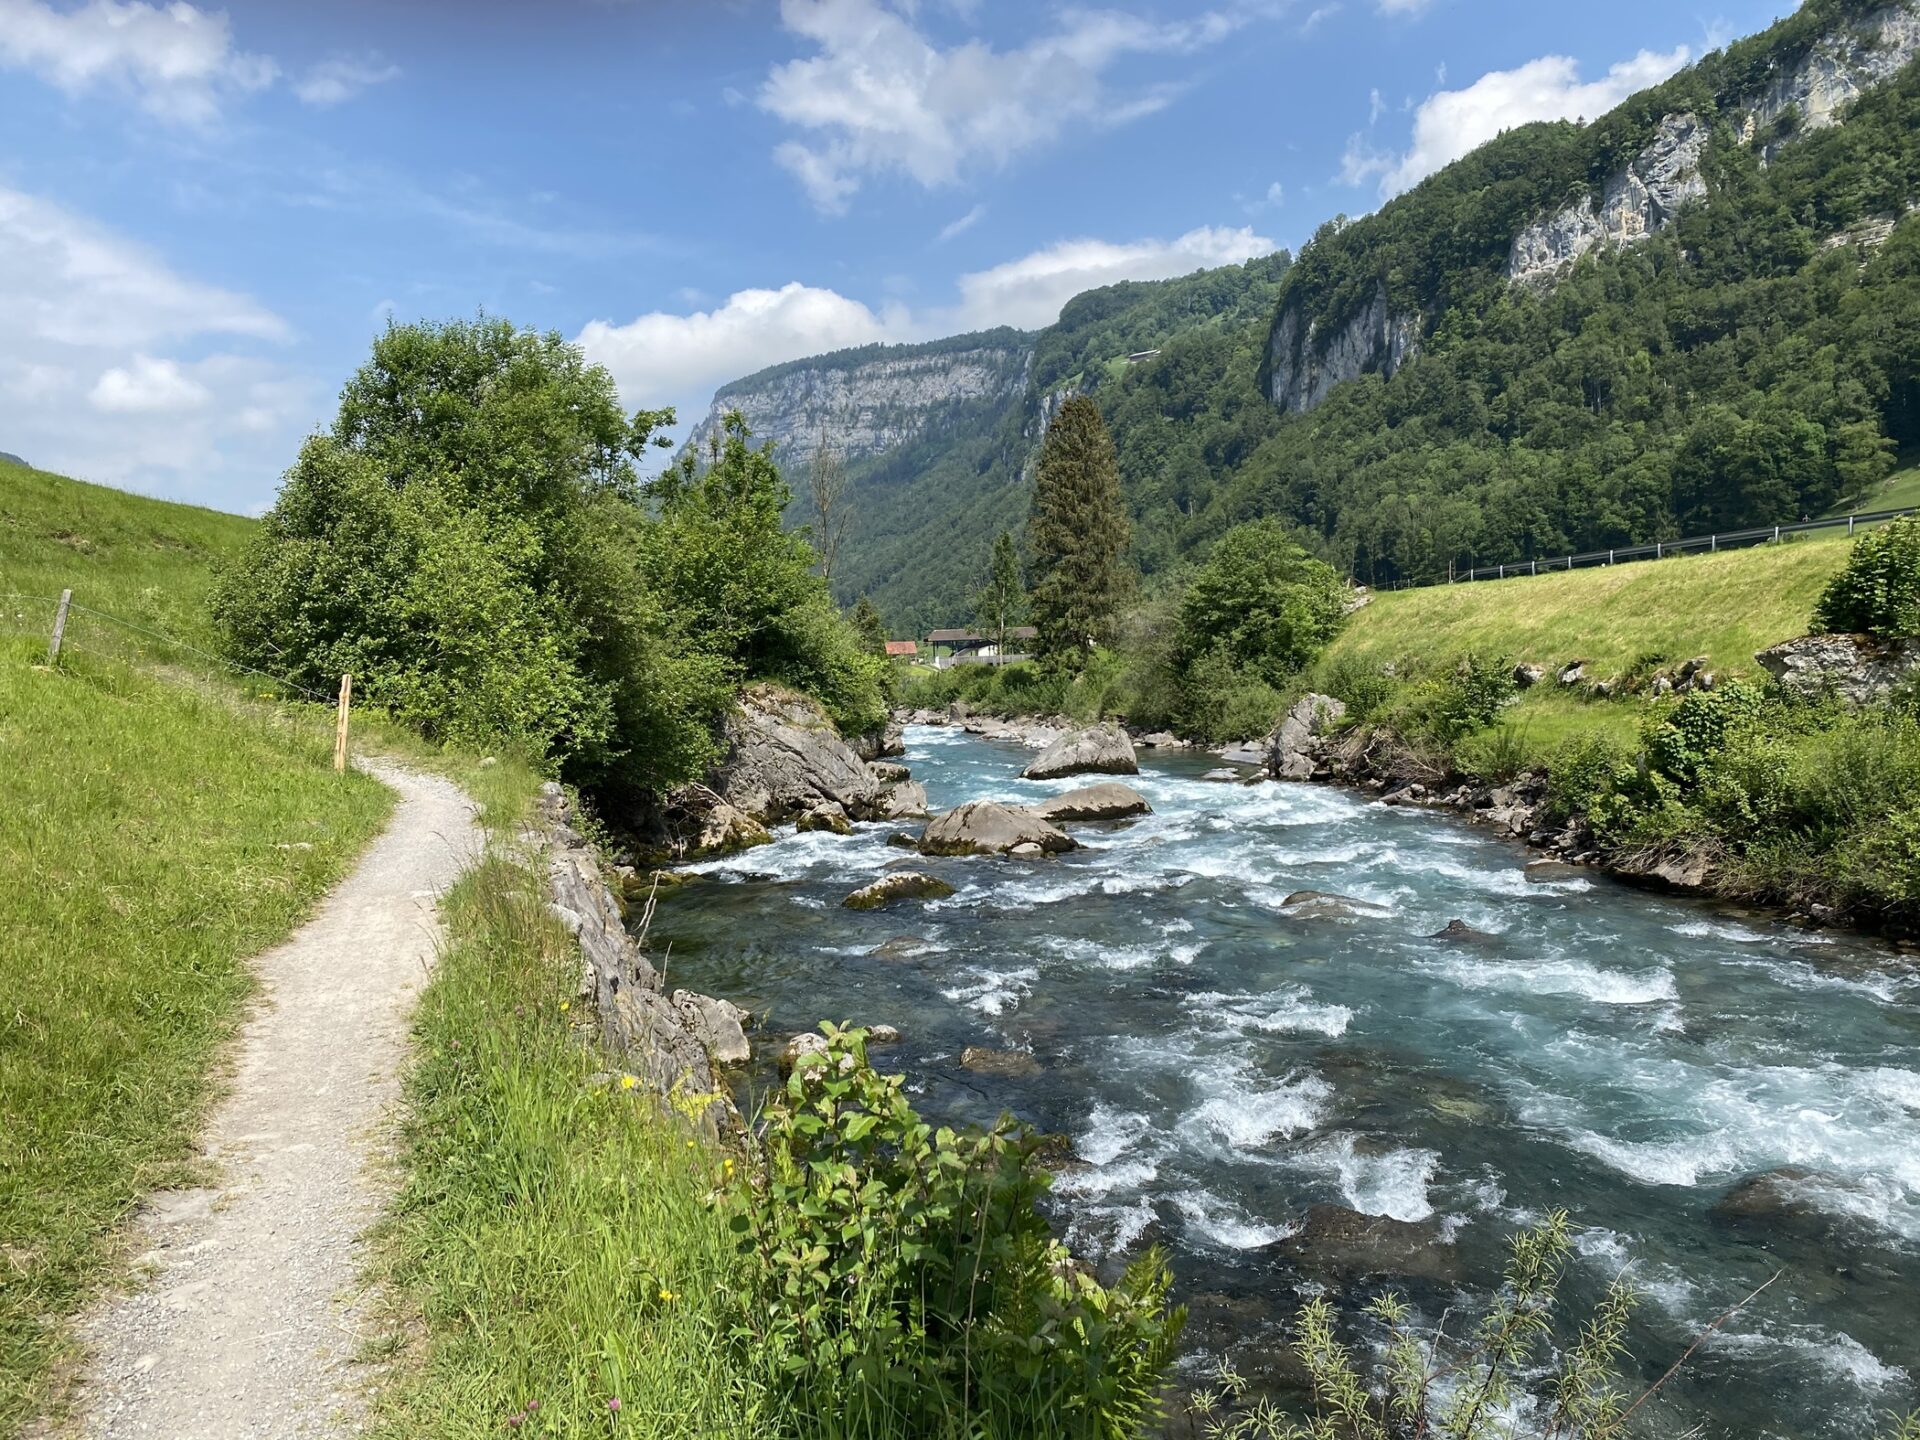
{"x": 827, "y": 487}
{"x": 461, "y": 541}
{"x": 871, "y": 629}
{"x": 1262, "y": 601}
{"x": 1002, "y": 604}
{"x": 1079, "y": 532}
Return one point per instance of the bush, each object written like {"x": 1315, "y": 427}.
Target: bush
{"x": 900, "y": 1280}
{"x": 1464, "y": 701}
{"x": 1220, "y": 702}
{"x": 1683, "y": 737}
{"x": 1583, "y": 771}
{"x": 1263, "y": 601}
{"x": 1878, "y": 593}
{"x": 1365, "y": 688}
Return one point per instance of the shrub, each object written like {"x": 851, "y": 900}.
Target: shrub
{"x": 1263, "y": 601}
{"x": 1465, "y": 700}
{"x": 1220, "y": 702}
{"x": 900, "y": 1280}
{"x": 1583, "y": 771}
{"x": 1684, "y": 736}
{"x": 1365, "y": 688}
{"x": 1878, "y": 592}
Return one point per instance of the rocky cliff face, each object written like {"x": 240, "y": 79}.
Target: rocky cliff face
{"x": 1835, "y": 72}
{"x": 866, "y": 405}
{"x": 1305, "y": 364}
{"x": 1638, "y": 201}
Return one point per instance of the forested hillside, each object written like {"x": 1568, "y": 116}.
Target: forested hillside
{"x": 1701, "y": 310}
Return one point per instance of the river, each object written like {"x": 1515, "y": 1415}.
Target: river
{"x": 1219, "y": 1066}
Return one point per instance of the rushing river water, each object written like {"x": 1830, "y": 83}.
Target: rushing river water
{"x": 1219, "y": 1066}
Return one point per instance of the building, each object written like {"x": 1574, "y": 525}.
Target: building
{"x": 902, "y": 650}
{"x": 968, "y": 647}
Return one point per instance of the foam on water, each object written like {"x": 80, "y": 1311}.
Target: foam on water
{"x": 1560, "y": 975}
{"x": 1278, "y": 1012}
{"x": 1227, "y": 1224}
{"x": 992, "y": 992}
{"x": 1248, "y": 1114}
{"x": 1389, "y": 1182}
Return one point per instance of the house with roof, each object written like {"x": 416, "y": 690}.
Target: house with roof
{"x": 969, "y": 647}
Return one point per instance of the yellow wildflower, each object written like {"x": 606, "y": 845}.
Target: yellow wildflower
{"x": 627, "y": 1082}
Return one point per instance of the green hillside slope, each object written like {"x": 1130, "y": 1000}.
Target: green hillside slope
{"x": 156, "y": 835}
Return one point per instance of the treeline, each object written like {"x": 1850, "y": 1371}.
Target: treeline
{"x": 473, "y": 541}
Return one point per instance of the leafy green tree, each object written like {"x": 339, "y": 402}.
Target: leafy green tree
{"x": 743, "y": 589}
{"x": 1262, "y": 600}
{"x": 1078, "y": 529}
{"x": 460, "y": 541}
{"x": 868, "y": 625}
{"x": 1002, "y": 602}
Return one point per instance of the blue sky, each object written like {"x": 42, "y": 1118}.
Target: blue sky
{"x": 206, "y": 214}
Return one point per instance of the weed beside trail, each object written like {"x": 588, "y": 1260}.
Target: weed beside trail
{"x": 153, "y": 837}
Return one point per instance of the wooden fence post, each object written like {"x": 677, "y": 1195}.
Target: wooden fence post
{"x": 59, "y": 628}
{"x": 340, "y": 724}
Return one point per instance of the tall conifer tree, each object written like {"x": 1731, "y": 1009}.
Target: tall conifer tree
{"x": 1079, "y": 532}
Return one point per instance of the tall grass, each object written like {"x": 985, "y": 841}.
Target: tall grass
{"x": 553, "y": 1233}
{"x": 153, "y": 837}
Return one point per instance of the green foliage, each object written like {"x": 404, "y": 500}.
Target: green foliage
{"x": 1262, "y": 602}
{"x": 900, "y": 1280}
{"x": 1078, "y": 531}
{"x": 1509, "y": 1354}
{"x": 1684, "y": 736}
{"x": 1002, "y": 602}
{"x": 1471, "y": 695}
{"x": 869, "y": 627}
{"x": 1584, "y": 771}
{"x": 1219, "y": 701}
{"x": 461, "y": 542}
{"x": 1878, "y": 593}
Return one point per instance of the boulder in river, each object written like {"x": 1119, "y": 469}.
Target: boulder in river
{"x": 720, "y": 1025}
{"x": 825, "y": 816}
{"x": 878, "y": 744}
{"x": 784, "y": 758}
{"x": 1007, "y": 1064}
{"x": 1098, "y": 749}
{"x": 1459, "y": 930}
{"x": 902, "y": 800}
{"x": 1336, "y": 1243}
{"x": 1319, "y": 905}
{"x": 692, "y": 822}
{"x": 888, "y": 772}
{"x": 901, "y": 885}
{"x": 1290, "y": 747}
{"x": 1791, "y": 1200}
{"x": 1547, "y": 872}
{"x": 1108, "y": 800}
{"x": 986, "y": 827}
{"x": 900, "y": 947}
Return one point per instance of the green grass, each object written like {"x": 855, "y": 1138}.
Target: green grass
{"x": 553, "y": 1243}
{"x": 149, "y": 561}
{"x": 153, "y": 837}
{"x": 1725, "y": 606}
{"x": 1899, "y": 491}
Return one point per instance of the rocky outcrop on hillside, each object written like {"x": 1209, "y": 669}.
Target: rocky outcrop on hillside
{"x": 866, "y": 405}
{"x": 1856, "y": 668}
{"x": 1304, "y": 364}
{"x": 1637, "y": 202}
{"x": 1834, "y": 73}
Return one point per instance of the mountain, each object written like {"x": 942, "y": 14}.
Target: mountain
{"x": 1699, "y": 311}
{"x": 8, "y": 458}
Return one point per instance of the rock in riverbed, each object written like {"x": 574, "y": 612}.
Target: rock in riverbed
{"x": 1007, "y": 1064}
{"x": 1108, "y": 800}
{"x": 1338, "y": 1243}
{"x": 1460, "y": 931}
{"x": 1099, "y": 749}
{"x": 1319, "y": 905}
{"x": 986, "y": 827}
{"x": 1546, "y": 872}
{"x": 720, "y": 1025}
{"x": 901, "y": 885}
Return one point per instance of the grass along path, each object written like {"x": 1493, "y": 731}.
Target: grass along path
{"x": 153, "y": 839}
{"x": 243, "y": 1330}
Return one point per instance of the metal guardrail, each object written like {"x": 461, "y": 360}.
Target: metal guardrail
{"x": 1659, "y": 550}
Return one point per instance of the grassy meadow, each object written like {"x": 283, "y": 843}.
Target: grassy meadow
{"x": 155, "y": 834}
{"x": 1725, "y": 606}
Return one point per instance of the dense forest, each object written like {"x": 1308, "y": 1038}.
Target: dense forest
{"x": 1756, "y": 360}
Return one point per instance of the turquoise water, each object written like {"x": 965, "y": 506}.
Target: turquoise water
{"x": 1219, "y": 1066}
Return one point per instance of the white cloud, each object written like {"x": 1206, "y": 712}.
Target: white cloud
{"x": 1028, "y": 292}
{"x": 666, "y": 359}
{"x": 115, "y": 367}
{"x": 1403, "y": 7}
{"x": 178, "y": 61}
{"x": 1316, "y": 16}
{"x": 148, "y": 386}
{"x": 960, "y": 226}
{"x": 1451, "y": 122}
{"x": 342, "y": 77}
{"x": 1376, "y": 107}
{"x": 880, "y": 97}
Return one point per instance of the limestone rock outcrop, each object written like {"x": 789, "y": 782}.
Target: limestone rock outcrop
{"x": 784, "y": 758}
{"x": 1637, "y": 201}
{"x": 1857, "y": 668}
{"x": 1834, "y": 72}
{"x": 1305, "y": 363}
{"x": 1290, "y": 747}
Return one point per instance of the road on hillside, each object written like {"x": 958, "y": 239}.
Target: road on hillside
{"x": 250, "y": 1322}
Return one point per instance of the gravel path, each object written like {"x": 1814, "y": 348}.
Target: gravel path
{"x": 250, "y": 1322}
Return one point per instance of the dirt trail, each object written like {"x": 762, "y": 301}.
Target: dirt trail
{"x": 249, "y": 1324}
